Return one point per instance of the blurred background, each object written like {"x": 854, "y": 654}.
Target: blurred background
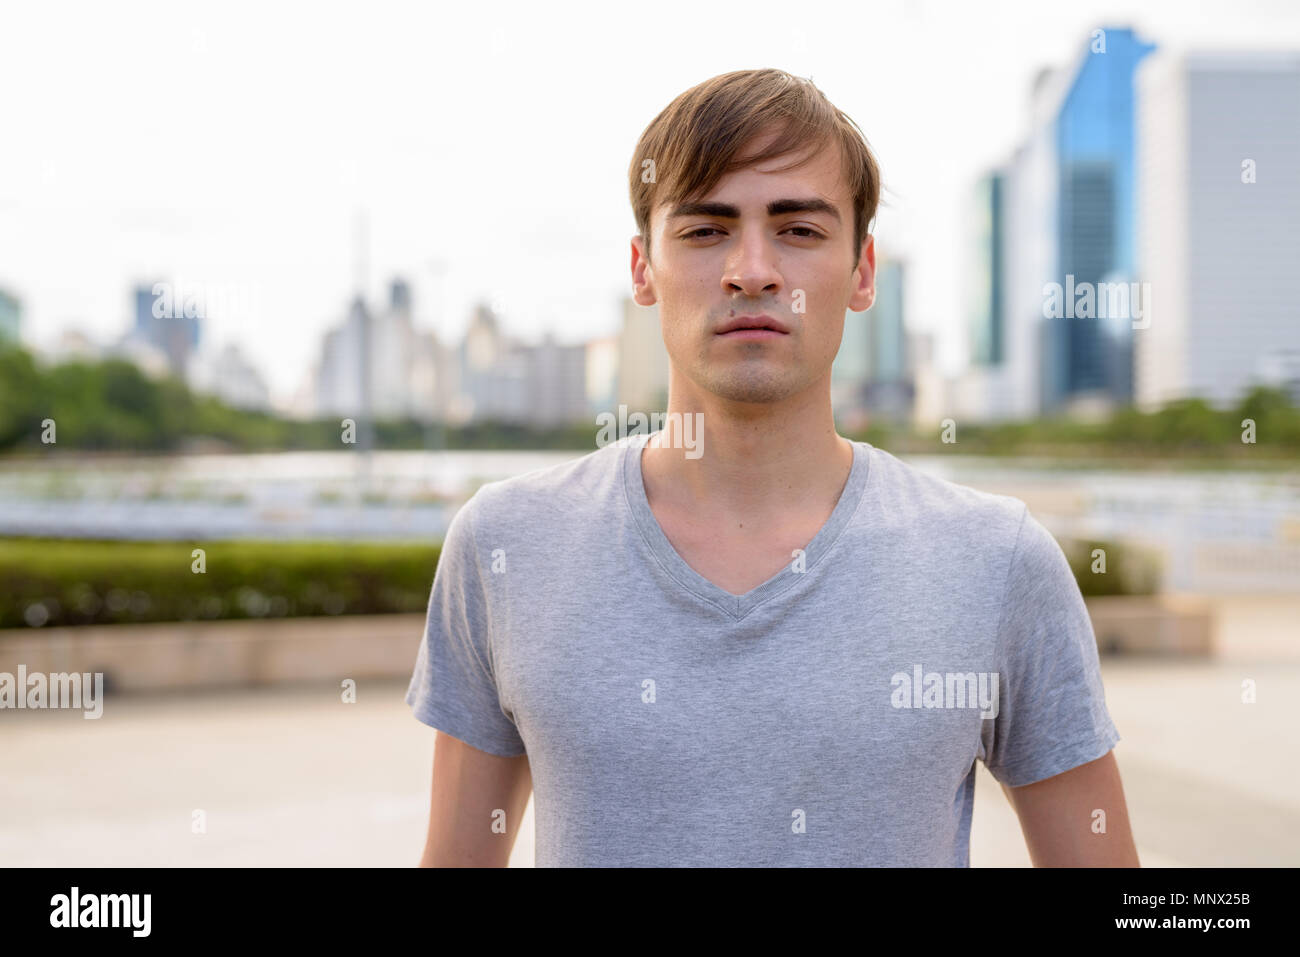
{"x": 281, "y": 288}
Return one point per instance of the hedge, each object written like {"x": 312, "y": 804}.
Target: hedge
{"x": 49, "y": 582}
{"x": 1121, "y": 570}
{"x": 60, "y": 582}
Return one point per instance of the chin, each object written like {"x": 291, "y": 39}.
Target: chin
{"x": 756, "y": 389}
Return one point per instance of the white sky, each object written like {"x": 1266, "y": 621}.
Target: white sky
{"x": 232, "y": 144}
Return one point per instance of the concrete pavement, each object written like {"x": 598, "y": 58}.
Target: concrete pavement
{"x": 294, "y": 777}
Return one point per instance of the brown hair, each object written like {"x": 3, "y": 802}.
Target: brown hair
{"x": 696, "y": 140}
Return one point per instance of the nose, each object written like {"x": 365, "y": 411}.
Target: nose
{"x": 752, "y": 267}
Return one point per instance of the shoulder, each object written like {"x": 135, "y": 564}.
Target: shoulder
{"x": 560, "y": 493}
{"x": 905, "y": 495}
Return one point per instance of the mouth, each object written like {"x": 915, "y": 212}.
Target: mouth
{"x": 752, "y": 327}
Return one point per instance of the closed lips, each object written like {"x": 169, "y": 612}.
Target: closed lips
{"x": 751, "y": 322}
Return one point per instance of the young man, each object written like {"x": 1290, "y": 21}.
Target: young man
{"x": 764, "y": 645}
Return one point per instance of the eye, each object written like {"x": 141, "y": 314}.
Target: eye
{"x": 702, "y": 233}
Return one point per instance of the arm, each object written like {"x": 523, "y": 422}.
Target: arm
{"x": 1056, "y": 817}
{"x": 468, "y": 786}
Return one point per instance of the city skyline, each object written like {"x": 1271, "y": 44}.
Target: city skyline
{"x": 1070, "y": 207}
{"x": 465, "y": 208}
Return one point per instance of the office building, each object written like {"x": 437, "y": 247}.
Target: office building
{"x": 1219, "y": 151}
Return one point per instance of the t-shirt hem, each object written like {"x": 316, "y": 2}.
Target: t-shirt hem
{"x": 1063, "y": 759}
{"x": 454, "y": 726}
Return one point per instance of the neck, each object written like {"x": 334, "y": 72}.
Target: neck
{"x": 757, "y": 458}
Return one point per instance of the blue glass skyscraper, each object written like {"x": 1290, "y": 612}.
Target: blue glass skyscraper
{"x": 1096, "y": 222}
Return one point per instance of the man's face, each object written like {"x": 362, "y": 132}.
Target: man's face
{"x": 761, "y": 244}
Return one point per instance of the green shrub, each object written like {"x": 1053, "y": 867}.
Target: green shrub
{"x": 1129, "y": 570}
{"x": 60, "y": 582}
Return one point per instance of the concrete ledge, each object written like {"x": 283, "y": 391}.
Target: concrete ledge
{"x": 214, "y": 654}
{"x": 1159, "y": 624}
{"x": 195, "y": 654}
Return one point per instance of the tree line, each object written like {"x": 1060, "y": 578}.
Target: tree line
{"x": 111, "y": 405}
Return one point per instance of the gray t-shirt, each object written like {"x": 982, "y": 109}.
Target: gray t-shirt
{"x": 830, "y": 716}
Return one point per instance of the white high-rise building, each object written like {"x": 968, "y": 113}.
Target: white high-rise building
{"x": 230, "y": 377}
{"x": 931, "y": 400}
{"x": 432, "y": 378}
{"x": 557, "y": 383}
{"x": 392, "y": 356}
{"x": 1219, "y": 203}
{"x": 1014, "y": 251}
{"x": 494, "y": 372}
{"x": 1029, "y": 250}
{"x": 339, "y": 376}
{"x": 602, "y": 374}
{"x": 408, "y": 372}
{"x": 642, "y": 359}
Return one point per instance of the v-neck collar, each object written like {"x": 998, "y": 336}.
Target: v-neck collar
{"x": 738, "y": 606}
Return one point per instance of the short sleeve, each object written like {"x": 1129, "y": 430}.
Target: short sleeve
{"x": 1052, "y": 712}
{"x": 453, "y": 688}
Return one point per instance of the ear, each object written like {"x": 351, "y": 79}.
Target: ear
{"x": 864, "y": 290}
{"x": 643, "y": 290}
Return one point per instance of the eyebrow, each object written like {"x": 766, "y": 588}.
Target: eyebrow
{"x": 778, "y": 207}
